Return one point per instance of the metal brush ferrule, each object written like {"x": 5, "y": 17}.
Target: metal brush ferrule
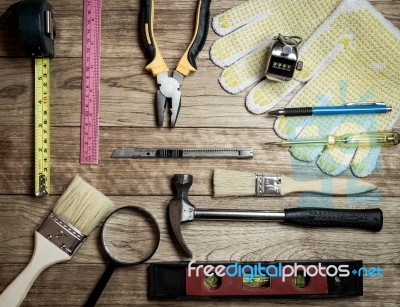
{"x": 268, "y": 185}
{"x": 61, "y": 233}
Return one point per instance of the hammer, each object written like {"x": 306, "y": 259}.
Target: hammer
{"x": 181, "y": 210}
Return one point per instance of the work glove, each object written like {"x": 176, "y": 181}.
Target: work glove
{"x": 248, "y": 30}
{"x": 353, "y": 57}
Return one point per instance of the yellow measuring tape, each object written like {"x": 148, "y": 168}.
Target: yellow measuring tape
{"x": 42, "y": 126}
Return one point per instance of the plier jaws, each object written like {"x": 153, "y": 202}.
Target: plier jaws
{"x": 169, "y": 91}
{"x": 169, "y": 87}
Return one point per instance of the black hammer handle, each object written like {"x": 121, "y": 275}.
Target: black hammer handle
{"x": 370, "y": 219}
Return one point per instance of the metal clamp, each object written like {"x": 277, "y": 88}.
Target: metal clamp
{"x": 62, "y": 234}
{"x": 42, "y": 186}
{"x": 268, "y": 185}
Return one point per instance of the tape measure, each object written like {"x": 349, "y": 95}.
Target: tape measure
{"x": 37, "y": 32}
{"x": 42, "y": 126}
{"x": 90, "y": 81}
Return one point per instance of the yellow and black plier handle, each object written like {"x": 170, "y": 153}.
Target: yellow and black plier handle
{"x": 187, "y": 63}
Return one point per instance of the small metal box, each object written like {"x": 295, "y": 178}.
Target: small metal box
{"x": 283, "y": 58}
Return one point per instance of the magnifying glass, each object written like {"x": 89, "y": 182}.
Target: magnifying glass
{"x": 130, "y": 235}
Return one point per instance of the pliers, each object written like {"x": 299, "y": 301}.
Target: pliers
{"x": 169, "y": 87}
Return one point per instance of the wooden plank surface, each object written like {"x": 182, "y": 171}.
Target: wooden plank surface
{"x": 209, "y": 117}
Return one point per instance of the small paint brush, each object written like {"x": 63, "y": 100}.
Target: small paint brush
{"x": 78, "y": 211}
{"x": 234, "y": 183}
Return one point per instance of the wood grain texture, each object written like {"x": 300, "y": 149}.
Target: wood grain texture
{"x": 209, "y": 117}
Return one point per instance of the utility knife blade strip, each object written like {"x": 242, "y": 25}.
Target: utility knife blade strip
{"x": 233, "y": 153}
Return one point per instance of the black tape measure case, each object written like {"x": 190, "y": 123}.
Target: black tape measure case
{"x": 36, "y": 26}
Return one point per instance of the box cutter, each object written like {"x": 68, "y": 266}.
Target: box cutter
{"x": 169, "y": 87}
{"x": 226, "y": 153}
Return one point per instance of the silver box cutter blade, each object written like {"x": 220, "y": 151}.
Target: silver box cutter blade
{"x": 227, "y": 153}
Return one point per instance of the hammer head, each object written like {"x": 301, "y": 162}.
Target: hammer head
{"x": 180, "y": 209}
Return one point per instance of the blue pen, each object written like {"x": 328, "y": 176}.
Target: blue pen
{"x": 351, "y": 108}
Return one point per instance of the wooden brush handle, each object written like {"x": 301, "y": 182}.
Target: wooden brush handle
{"x": 44, "y": 255}
{"x": 331, "y": 186}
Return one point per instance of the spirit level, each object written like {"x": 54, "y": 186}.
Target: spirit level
{"x": 42, "y": 126}
{"x": 90, "y": 81}
{"x": 324, "y": 279}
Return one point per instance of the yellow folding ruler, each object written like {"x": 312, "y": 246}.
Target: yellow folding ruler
{"x": 42, "y": 126}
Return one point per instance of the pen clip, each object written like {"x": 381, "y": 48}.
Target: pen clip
{"x": 365, "y": 103}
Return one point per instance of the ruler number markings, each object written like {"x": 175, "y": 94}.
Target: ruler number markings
{"x": 90, "y": 82}
{"x": 42, "y": 126}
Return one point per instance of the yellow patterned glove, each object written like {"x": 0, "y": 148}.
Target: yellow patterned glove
{"x": 247, "y": 31}
{"x": 352, "y": 57}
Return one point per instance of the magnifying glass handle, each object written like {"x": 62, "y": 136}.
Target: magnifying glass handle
{"x": 101, "y": 284}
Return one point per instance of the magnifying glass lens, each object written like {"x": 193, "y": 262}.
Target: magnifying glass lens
{"x": 130, "y": 235}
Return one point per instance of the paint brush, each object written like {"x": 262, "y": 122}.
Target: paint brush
{"x": 234, "y": 183}
{"x": 77, "y": 212}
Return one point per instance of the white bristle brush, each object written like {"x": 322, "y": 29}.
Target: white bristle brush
{"x": 234, "y": 183}
{"x": 77, "y": 212}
